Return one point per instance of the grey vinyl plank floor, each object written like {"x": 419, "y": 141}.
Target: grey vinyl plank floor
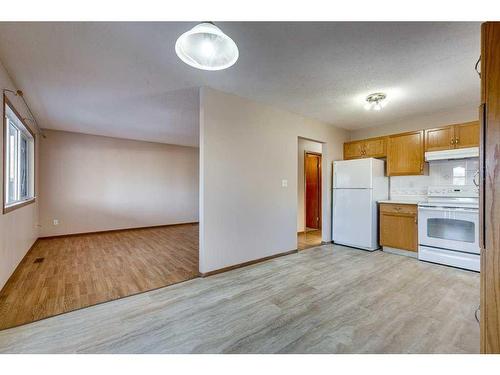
{"x": 329, "y": 299}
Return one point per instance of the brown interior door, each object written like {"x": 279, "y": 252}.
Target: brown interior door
{"x": 312, "y": 167}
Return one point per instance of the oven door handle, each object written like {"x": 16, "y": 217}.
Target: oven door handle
{"x": 454, "y": 209}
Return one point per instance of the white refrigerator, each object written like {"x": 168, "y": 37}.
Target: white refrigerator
{"x": 357, "y": 186}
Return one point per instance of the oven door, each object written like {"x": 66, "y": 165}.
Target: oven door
{"x": 449, "y": 228}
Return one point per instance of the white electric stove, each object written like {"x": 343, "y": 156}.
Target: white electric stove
{"x": 448, "y": 227}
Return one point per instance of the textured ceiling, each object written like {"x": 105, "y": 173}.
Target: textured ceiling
{"x": 124, "y": 79}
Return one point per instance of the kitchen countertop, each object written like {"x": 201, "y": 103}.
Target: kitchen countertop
{"x": 396, "y": 201}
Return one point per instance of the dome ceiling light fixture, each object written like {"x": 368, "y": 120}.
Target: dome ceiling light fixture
{"x": 206, "y": 47}
{"x": 376, "y": 101}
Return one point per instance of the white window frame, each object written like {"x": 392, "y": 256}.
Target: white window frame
{"x": 16, "y": 194}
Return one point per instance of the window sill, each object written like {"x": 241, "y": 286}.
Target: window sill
{"x": 17, "y": 205}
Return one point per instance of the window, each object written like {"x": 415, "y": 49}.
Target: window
{"x": 451, "y": 229}
{"x": 458, "y": 176}
{"x": 19, "y": 160}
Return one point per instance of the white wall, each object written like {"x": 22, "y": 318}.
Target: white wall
{"x": 304, "y": 145}
{"x": 18, "y": 228}
{"x": 94, "y": 183}
{"x": 433, "y": 120}
{"x": 246, "y": 149}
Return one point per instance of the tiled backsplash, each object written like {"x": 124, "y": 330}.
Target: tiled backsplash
{"x": 441, "y": 172}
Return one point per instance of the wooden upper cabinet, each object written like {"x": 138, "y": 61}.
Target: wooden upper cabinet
{"x": 467, "y": 135}
{"x": 405, "y": 151}
{"x": 453, "y": 136}
{"x": 376, "y": 147}
{"x": 405, "y": 154}
{"x": 353, "y": 150}
{"x": 366, "y": 148}
{"x": 439, "y": 138}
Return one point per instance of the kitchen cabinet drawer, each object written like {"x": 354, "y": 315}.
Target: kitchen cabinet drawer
{"x": 398, "y": 208}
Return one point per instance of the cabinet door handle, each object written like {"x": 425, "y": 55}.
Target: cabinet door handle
{"x": 457, "y": 141}
{"x": 452, "y": 141}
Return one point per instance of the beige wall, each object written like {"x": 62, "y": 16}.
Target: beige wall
{"x": 18, "y": 229}
{"x": 304, "y": 145}
{"x": 246, "y": 150}
{"x": 462, "y": 114}
{"x": 93, "y": 183}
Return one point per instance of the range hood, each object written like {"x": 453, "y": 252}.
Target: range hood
{"x": 458, "y": 153}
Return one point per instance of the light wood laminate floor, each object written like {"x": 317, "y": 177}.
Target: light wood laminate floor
{"x": 85, "y": 270}
{"x": 309, "y": 238}
{"x": 328, "y": 299}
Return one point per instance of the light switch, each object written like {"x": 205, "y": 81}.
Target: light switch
{"x": 284, "y": 183}
{"x": 56, "y": 221}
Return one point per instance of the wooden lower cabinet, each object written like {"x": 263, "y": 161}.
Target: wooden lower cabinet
{"x": 398, "y": 226}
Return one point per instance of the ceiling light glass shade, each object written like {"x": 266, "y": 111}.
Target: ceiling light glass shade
{"x": 376, "y": 101}
{"x": 206, "y": 47}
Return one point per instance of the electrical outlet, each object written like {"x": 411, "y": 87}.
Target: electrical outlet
{"x": 55, "y": 221}
{"x": 284, "y": 183}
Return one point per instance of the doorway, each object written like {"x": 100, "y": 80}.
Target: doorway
{"x": 310, "y": 194}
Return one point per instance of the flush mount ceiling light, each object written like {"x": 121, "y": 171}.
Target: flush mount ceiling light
{"x": 206, "y": 47}
{"x": 376, "y": 101}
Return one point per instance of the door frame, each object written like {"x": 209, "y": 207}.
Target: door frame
{"x": 320, "y": 177}
{"x": 489, "y": 193}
